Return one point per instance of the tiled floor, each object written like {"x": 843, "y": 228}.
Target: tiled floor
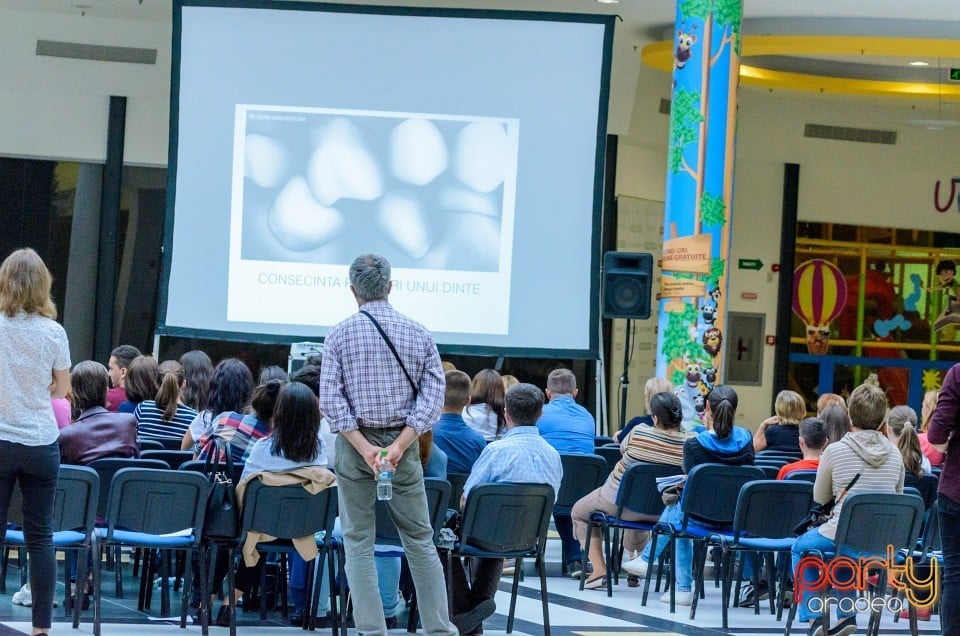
{"x": 572, "y": 612}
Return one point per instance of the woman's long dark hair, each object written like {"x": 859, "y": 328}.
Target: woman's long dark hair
{"x": 296, "y": 423}
{"x": 487, "y": 388}
{"x": 723, "y": 405}
{"x": 88, "y": 387}
{"x": 168, "y": 395}
{"x": 230, "y": 387}
{"x": 141, "y": 382}
{"x": 667, "y": 409}
{"x": 197, "y": 371}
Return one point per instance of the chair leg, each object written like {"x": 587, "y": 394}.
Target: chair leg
{"x": 699, "y": 565}
{"x": 185, "y": 588}
{"x": 205, "y": 551}
{"x": 118, "y": 571}
{"x": 164, "y": 582}
{"x": 771, "y": 582}
{"x": 543, "y": 594}
{"x": 4, "y": 559}
{"x": 608, "y": 556}
{"x": 726, "y": 571}
{"x": 614, "y": 565}
{"x": 97, "y": 563}
{"x": 782, "y": 587}
{"x": 81, "y": 585}
{"x": 231, "y": 597}
{"x": 263, "y": 587}
{"x": 646, "y": 584}
{"x": 513, "y": 594}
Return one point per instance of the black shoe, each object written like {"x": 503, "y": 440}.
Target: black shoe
{"x": 747, "y": 593}
{"x": 391, "y": 622}
{"x": 633, "y": 580}
{"x": 223, "y": 616}
{"x": 844, "y": 627}
{"x": 296, "y": 620}
{"x": 574, "y": 568}
{"x": 473, "y": 618}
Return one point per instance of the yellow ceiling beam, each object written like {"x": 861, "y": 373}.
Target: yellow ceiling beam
{"x": 659, "y": 55}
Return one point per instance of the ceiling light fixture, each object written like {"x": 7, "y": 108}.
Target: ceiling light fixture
{"x": 919, "y": 63}
{"x": 609, "y": 1}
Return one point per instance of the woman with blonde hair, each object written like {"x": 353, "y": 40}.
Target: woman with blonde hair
{"x": 34, "y": 367}
{"x": 902, "y": 433}
{"x": 650, "y": 388}
{"x": 781, "y": 432}
{"x": 926, "y": 412}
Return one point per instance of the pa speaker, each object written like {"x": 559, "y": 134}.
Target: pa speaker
{"x": 627, "y": 279}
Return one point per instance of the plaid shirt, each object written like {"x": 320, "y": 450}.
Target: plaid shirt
{"x": 361, "y": 383}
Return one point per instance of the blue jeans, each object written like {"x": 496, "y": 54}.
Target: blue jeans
{"x": 570, "y": 549}
{"x": 298, "y": 584}
{"x": 813, "y": 540}
{"x": 388, "y": 580}
{"x": 950, "y": 537}
{"x": 683, "y": 551}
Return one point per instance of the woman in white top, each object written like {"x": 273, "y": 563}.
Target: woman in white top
{"x": 484, "y": 414}
{"x": 34, "y": 367}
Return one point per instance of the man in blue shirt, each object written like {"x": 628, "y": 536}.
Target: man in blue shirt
{"x": 451, "y": 434}
{"x": 520, "y": 456}
{"x": 570, "y": 429}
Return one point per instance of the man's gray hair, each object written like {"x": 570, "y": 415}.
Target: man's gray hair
{"x": 370, "y": 277}
{"x": 525, "y": 403}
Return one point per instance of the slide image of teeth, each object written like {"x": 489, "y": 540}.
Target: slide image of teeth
{"x": 319, "y": 186}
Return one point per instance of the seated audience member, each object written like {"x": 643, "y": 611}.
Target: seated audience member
{"x": 309, "y": 374}
{"x": 521, "y": 455}
{"x": 165, "y": 416}
{"x": 721, "y": 443}
{"x": 61, "y": 411}
{"x": 650, "y": 388}
{"x": 837, "y": 420}
{"x": 448, "y": 366}
{"x": 484, "y": 413}
{"x": 120, "y": 359}
{"x": 509, "y": 381}
{"x": 230, "y": 390}
{"x": 902, "y": 433}
{"x": 570, "y": 429}
{"x": 197, "y": 371}
{"x": 272, "y": 373}
{"x": 141, "y": 384}
{"x": 866, "y": 451}
{"x": 781, "y": 432}
{"x": 96, "y": 433}
{"x": 813, "y": 439}
{"x": 926, "y": 411}
{"x": 829, "y": 399}
{"x": 294, "y": 443}
{"x": 243, "y": 430}
{"x": 659, "y": 443}
{"x": 451, "y": 434}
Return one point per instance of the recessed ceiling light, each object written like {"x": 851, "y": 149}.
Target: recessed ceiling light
{"x": 609, "y": 1}
{"x": 919, "y": 63}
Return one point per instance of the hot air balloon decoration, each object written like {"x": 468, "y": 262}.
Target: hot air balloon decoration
{"x": 819, "y": 293}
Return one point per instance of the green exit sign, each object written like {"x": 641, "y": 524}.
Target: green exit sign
{"x": 955, "y": 75}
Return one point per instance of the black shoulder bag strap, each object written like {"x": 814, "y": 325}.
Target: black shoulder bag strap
{"x": 393, "y": 350}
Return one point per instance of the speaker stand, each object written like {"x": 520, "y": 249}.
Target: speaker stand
{"x": 625, "y": 378}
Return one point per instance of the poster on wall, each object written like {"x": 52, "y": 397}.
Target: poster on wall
{"x": 819, "y": 296}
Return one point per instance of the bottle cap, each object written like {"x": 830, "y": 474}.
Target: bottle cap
{"x": 383, "y": 453}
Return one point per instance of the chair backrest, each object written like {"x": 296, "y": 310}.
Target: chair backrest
{"x": 107, "y": 468}
{"x": 925, "y": 484}
{"x": 638, "y": 487}
{"x": 611, "y": 454}
{"x": 156, "y": 501}
{"x": 582, "y": 474}
{"x": 772, "y": 461}
{"x": 174, "y": 459}
{"x": 772, "y": 509}
{"x": 712, "y": 490}
{"x": 602, "y": 440}
{"x": 791, "y": 455}
{"x": 74, "y": 502}
{"x": 931, "y": 531}
{"x": 802, "y": 475}
{"x": 457, "y": 481}
{"x": 287, "y": 512}
{"x": 770, "y": 472}
{"x": 169, "y": 443}
{"x": 506, "y": 518}
{"x": 149, "y": 444}
{"x": 871, "y": 521}
{"x": 438, "y": 494}
{"x": 197, "y": 465}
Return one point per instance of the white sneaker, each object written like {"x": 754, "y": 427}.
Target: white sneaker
{"x": 23, "y": 596}
{"x": 635, "y": 566}
{"x": 682, "y": 598}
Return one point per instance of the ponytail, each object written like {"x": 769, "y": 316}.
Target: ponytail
{"x": 909, "y": 446}
{"x": 265, "y": 399}
{"x": 168, "y": 396}
{"x": 723, "y": 405}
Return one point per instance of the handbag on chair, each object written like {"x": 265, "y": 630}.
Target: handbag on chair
{"x": 222, "y": 520}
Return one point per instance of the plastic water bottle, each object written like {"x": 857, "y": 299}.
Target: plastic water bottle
{"x": 384, "y": 478}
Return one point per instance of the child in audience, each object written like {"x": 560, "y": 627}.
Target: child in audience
{"x": 902, "y": 432}
{"x": 926, "y": 411}
{"x": 120, "y": 359}
{"x": 837, "y": 419}
{"x": 781, "y": 432}
{"x": 165, "y": 416}
{"x": 813, "y": 439}
{"x": 141, "y": 383}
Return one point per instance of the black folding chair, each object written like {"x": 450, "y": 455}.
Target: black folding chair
{"x": 438, "y": 494}
{"x": 582, "y": 474}
{"x": 74, "y": 514}
{"x": 457, "y": 482}
{"x": 870, "y": 523}
{"x": 289, "y": 512}
{"x": 638, "y": 494}
{"x": 926, "y": 485}
{"x": 157, "y": 510}
{"x": 150, "y": 444}
{"x": 174, "y": 459}
{"x": 802, "y": 475}
{"x": 508, "y": 521}
{"x": 766, "y": 514}
{"x": 602, "y": 440}
{"x": 611, "y": 454}
{"x": 769, "y": 471}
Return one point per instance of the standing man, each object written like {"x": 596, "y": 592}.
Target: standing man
{"x": 570, "y": 429}
{"x": 381, "y": 386}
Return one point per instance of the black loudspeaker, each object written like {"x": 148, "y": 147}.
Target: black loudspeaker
{"x": 627, "y": 280}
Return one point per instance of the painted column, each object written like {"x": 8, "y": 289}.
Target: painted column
{"x": 699, "y": 198}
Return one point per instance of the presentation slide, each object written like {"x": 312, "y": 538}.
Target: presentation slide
{"x": 463, "y": 146}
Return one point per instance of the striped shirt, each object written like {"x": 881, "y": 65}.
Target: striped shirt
{"x": 361, "y": 382}
{"x": 645, "y": 444}
{"x": 151, "y": 425}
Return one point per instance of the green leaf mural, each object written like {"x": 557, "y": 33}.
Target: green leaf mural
{"x": 729, "y": 13}
{"x": 695, "y": 8}
{"x": 713, "y": 210}
{"x": 685, "y": 118}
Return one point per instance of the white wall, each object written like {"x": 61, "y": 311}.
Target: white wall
{"x": 840, "y": 182}
{"x": 57, "y": 108}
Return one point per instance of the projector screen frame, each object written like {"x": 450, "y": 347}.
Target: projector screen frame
{"x": 605, "y": 20}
